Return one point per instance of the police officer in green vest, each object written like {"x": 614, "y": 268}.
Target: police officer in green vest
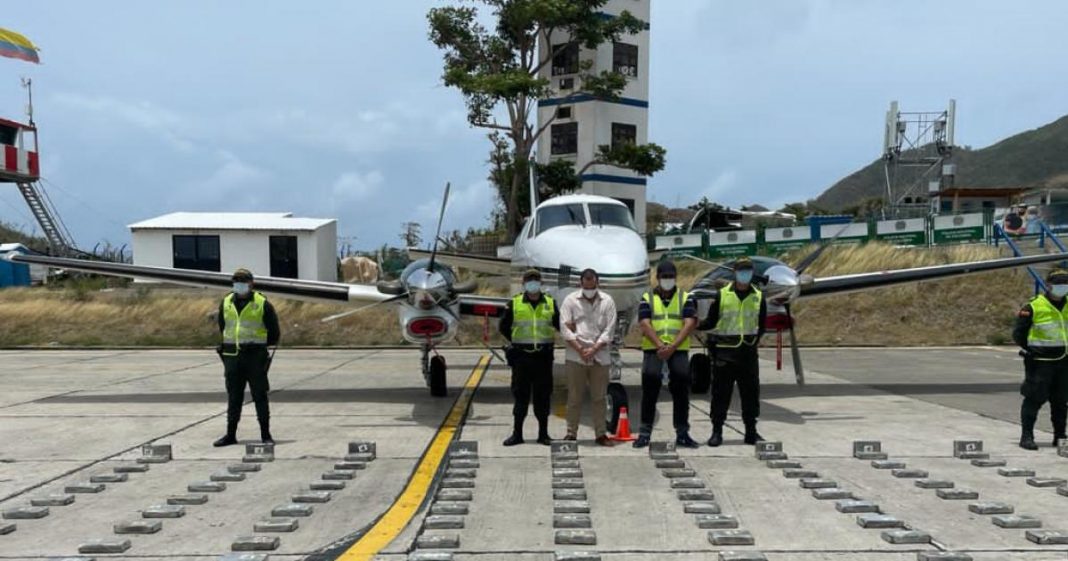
{"x": 528, "y": 322}
{"x": 249, "y": 325}
{"x": 1041, "y": 330}
{"x": 666, "y": 317}
{"x": 736, "y": 317}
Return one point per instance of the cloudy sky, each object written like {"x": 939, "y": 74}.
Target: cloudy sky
{"x": 335, "y": 108}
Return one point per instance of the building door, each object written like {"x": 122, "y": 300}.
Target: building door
{"x": 284, "y": 257}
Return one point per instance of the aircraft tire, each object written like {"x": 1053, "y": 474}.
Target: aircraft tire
{"x": 700, "y": 373}
{"x": 437, "y": 377}
{"x": 615, "y": 399}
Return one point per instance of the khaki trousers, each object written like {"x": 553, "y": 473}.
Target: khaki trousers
{"x": 579, "y": 377}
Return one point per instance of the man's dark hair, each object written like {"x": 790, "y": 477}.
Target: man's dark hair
{"x": 589, "y": 274}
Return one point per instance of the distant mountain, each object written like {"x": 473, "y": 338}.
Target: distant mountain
{"x": 1036, "y": 158}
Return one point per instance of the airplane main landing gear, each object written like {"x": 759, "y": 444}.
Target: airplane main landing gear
{"x": 434, "y": 373}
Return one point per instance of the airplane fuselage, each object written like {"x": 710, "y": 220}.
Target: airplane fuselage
{"x": 594, "y": 232}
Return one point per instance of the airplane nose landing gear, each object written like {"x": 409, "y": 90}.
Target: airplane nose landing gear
{"x": 434, "y": 372}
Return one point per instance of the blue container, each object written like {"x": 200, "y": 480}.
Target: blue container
{"x": 14, "y": 274}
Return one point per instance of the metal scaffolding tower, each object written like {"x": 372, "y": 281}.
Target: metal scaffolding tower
{"x": 917, "y": 151}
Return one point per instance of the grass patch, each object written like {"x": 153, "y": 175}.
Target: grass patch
{"x": 974, "y": 309}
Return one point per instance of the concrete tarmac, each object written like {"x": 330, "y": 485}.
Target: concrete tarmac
{"x": 66, "y": 416}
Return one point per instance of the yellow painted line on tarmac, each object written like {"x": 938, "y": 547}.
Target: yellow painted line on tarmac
{"x": 390, "y": 525}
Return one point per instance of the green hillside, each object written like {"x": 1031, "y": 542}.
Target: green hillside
{"x": 10, "y": 234}
{"x": 1036, "y": 158}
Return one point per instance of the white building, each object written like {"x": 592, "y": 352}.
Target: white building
{"x": 582, "y": 123}
{"x": 268, "y": 244}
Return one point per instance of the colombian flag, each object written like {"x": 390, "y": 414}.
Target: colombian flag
{"x": 14, "y": 45}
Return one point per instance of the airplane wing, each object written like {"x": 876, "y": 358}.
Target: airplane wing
{"x": 482, "y": 306}
{"x": 478, "y": 263}
{"x": 291, "y": 288}
{"x": 866, "y": 281}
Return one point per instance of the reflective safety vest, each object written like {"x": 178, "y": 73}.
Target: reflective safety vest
{"x": 666, "y": 320}
{"x": 738, "y": 318}
{"x": 1049, "y": 329}
{"x": 532, "y": 325}
{"x": 245, "y": 328}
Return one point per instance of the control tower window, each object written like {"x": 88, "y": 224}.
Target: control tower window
{"x": 625, "y": 59}
{"x": 566, "y": 59}
{"x": 564, "y": 139}
{"x": 623, "y": 133}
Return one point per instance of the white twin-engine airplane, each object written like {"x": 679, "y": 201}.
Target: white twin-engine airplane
{"x": 565, "y": 235}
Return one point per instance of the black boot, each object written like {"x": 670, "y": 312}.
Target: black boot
{"x": 1057, "y": 440}
{"x": 751, "y": 434}
{"x": 231, "y": 434}
{"x": 543, "y": 437}
{"x": 516, "y": 438}
{"x": 265, "y": 432}
{"x": 717, "y": 437}
{"x": 225, "y": 441}
{"x": 1027, "y": 441}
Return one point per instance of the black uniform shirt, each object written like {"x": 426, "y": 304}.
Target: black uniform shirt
{"x": 270, "y": 318}
{"x": 1024, "y": 319}
{"x": 505, "y": 325}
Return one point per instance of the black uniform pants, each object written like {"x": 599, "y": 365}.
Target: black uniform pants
{"x": 678, "y": 384}
{"x": 532, "y": 376}
{"x": 249, "y": 367}
{"x": 1045, "y": 380}
{"x": 744, "y": 371}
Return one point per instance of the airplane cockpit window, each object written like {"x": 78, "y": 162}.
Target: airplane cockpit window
{"x": 611, "y": 215}
{"x": 560, "y": 215}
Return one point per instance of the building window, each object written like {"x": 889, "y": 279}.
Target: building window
{"x": 566, "y": 59}
{"x": 283, "y": 253}
{"x": 564, "y": 139}
{"x": 563, "y": 112}
{"x": 624, "y": 134}
{"x": 625, "y": 59}
{"x": 200, "y": 253}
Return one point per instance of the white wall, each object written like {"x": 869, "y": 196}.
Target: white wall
{"x": 595, "y": 118}
{"x": 246, "y": 248}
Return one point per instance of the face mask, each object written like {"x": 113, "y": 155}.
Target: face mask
{"x": 667, "y": 284}
{"x": 745, "y": 276}
{"x": 532, "y": 286}
{"x": 589, "y": 293}
{"x": 1059, "y": 290}
{"x": 241, "y": 288}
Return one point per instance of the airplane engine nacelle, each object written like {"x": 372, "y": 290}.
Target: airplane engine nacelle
{"x": 423, "y": 328}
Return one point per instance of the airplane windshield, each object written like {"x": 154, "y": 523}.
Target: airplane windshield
{"x": 611, "y": 215}
{"x": 560, "y": 215}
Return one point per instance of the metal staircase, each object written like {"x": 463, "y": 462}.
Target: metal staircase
{"x": 1040, "y": 247}
{"x": 60, "y": 242}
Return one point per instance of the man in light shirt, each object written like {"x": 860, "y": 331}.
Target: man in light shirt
{"x": 588, "y": 322}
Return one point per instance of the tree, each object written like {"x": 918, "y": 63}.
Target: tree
{"x": 499, "y": 68}
{"x": 412, "y": 234}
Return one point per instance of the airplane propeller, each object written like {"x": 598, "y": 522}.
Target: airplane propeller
{"x": 347, "y": 313}
{"x": 437, "y": 235}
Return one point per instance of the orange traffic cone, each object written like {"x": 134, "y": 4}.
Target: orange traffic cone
{"x": 622, "y": 428}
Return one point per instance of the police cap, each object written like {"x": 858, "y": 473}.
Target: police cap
{"x": 665, "y": 269}
{"x": 743, "y": 263}
{"x": 531, "y": 274}
{"x": 1058, "y": 276}
{"x": 242, "y": 275}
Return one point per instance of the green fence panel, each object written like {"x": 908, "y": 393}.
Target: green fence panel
{"x": 732, "y": 244}
{"x": 959, "y": 228}
{"x": 907, "y": 231}
{"x": 782, "y": 240}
